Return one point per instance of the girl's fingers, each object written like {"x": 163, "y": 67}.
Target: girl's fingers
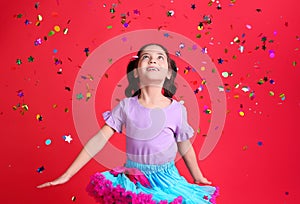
{"x": 45, "y": 185}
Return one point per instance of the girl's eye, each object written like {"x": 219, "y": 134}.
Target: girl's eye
{"x": 145, "y": 57}
{"x": 160, "y": 57}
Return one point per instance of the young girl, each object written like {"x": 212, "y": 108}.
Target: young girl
{"x": 156, "y": 128}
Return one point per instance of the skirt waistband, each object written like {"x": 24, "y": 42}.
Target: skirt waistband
{"x": 149, "y": 168}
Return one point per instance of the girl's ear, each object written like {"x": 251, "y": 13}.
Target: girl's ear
{"x": 135, "y": 73}
{"x": 169, "y": 75}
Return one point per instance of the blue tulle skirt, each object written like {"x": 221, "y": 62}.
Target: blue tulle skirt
{"x": 157, "y": 184}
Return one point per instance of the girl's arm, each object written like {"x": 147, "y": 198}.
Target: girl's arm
{"x": 92, "y": 147}
{"x": 187, "y": 152}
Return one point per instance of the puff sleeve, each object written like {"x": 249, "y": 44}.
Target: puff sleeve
{"x": 116, "y": 117}
{"x": 183, "y": 130}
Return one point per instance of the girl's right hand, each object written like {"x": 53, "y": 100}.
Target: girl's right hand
{"x": 61, "y": 180}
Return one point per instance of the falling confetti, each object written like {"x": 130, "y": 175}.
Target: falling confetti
{"x": 48, "y": 142}
{"x": 67, "y": 138}
{"x": 40, "y": 169}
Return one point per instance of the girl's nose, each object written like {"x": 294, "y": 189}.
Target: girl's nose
{"x": 152, "y": 61}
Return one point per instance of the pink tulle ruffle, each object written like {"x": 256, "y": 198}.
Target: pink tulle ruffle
{"x": 104, "y": 192}
{"x": 214, "y": 196}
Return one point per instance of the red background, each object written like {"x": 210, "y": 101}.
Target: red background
{"x": 257, "y": 157}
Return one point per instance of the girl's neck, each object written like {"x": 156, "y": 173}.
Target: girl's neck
{"x": 151, "y": 94}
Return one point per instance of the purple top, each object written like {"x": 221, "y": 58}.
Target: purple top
{"x": 151, "y": 133}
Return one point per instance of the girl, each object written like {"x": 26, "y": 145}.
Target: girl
{"x": 156, "y": 128}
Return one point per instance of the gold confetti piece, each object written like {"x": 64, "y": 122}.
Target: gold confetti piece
{"x": 245, "y": 147}
{"x": 57, "y": 28}
{"x": 241, "y": 113}
{"x": 66, "y": 31}
{"x": 25, "y": 107}
{"x": 236, "y": 96}
{"x": 39, "y": 18}
{"x": 73, "y": 198}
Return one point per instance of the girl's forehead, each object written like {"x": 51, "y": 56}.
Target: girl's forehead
{"x": 153, "y": 49}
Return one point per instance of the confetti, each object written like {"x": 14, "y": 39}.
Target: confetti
{"x": 241, "y": 113}
{"x": 73, "y": 198}
{"x": 245, "y": 147}
{"x": 65, "y": 31}
{"x": 67, "y": 138}
{"x": 51, "y": 33}
{"x": 282, "y": 96}
{"x": 40, "y": 169}
{"x": 39, "y": 117}
{"x": 259, "y": 143}
{"x": 170, "y": 13}
{"x": 220, "y": 61}
{"x": 86, "y": 50}
{"x": 30, "y": 59}
{"x": 206, "y": 110}
{"x": 48, "y": 141}
{"x": 20, "y": 93}
{"x": 38, "y": 42}
{"x": 79, "y": 96}
{"x": 18, "y": 61}
{"x": 271, "y": 53}
{"x": 56, "y": 28}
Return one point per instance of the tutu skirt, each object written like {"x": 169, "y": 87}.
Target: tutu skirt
{"x": 138, "y": 183}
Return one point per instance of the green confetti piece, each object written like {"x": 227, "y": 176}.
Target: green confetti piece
{"x": 19, "y": 61}
{"x": 79, "y": 96}
{"x": 51, "y": 32}
{"x": 30, "y": 59}
{"x": 109, "y": 27}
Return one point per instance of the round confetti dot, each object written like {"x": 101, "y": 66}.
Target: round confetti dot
{"x": 57, "y": 28}
{"x": 241, "y": 113}
{"x": 259, "y": 143}
{"x": 225, "y": 74}
{"x": 271, "y": 54}
{"x": 48, "y": 141}
{"x": 202, "y": 68}
{"x": 245, "y": 147}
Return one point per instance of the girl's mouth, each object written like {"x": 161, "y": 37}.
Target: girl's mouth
{"x": 152, "y": 69}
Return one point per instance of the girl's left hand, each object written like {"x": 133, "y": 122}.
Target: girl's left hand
{"x": 202, "y": 180}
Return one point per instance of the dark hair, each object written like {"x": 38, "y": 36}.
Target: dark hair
{"x": 133, "y": 88}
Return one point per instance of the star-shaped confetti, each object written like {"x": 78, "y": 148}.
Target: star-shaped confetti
{"x": 20, "y": 93}
{"x": 220, "y": 61}
{"x": 68, "y": 138}
{"x": 193, "y": 6}
{"x": 30, "y": 59}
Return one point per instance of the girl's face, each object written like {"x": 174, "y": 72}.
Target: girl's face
{"x": 153, "y": 66}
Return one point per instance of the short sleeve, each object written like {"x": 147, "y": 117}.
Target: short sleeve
{"x": 183, "y": 130}
{"x": 115, "y": 118}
